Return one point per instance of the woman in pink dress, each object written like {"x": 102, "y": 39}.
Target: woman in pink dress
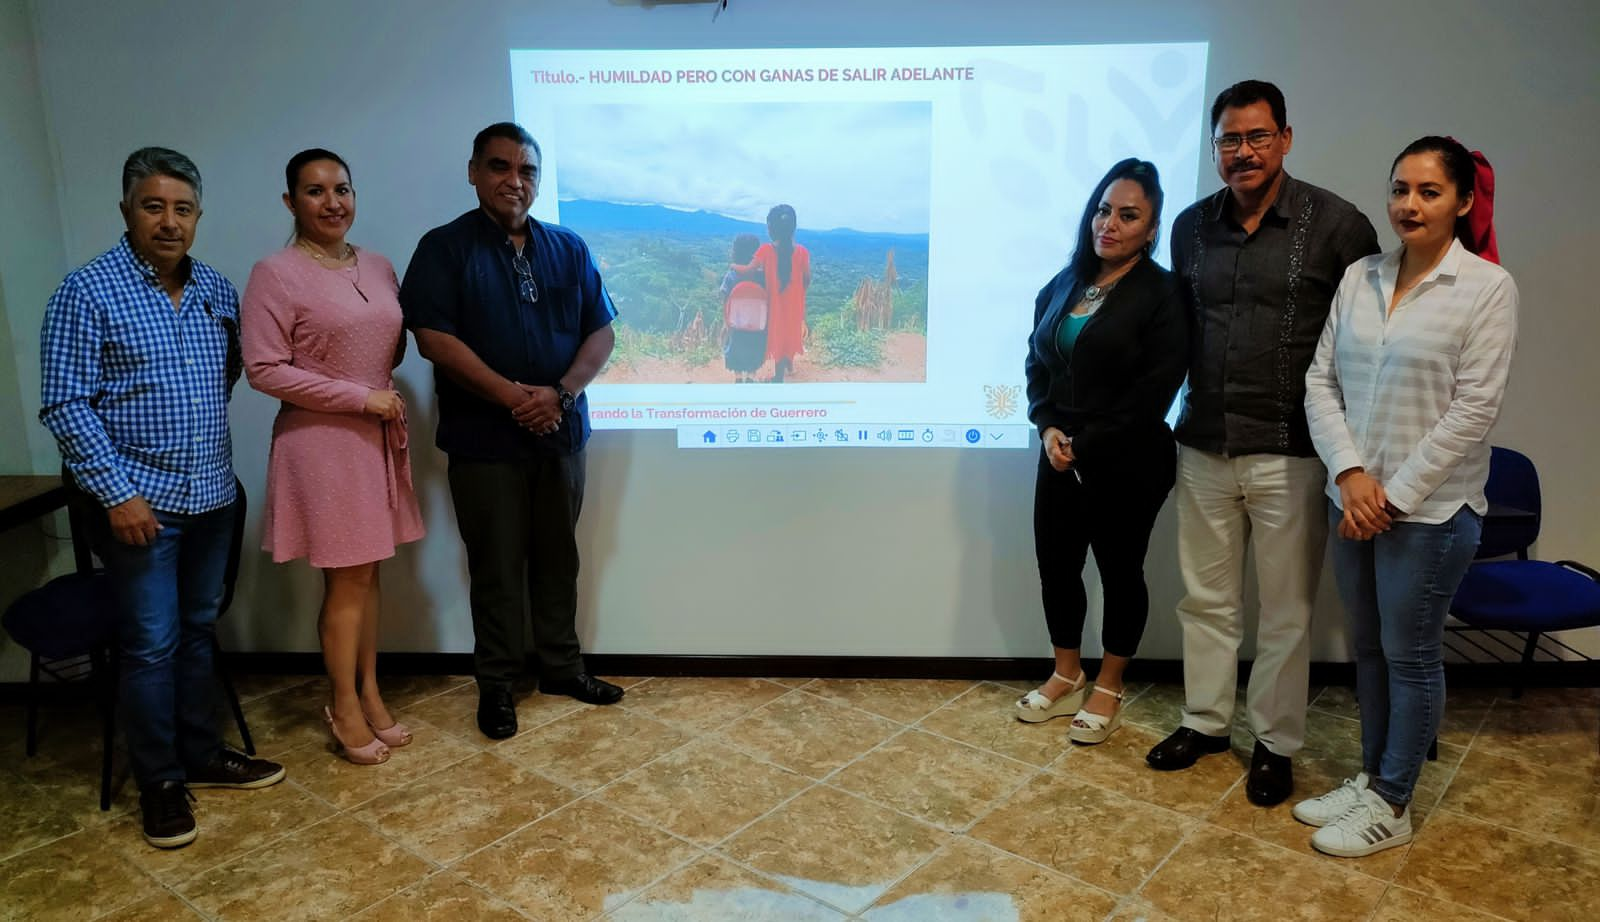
{"x": 321, "y": 330}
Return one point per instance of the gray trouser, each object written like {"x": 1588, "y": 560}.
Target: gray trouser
{"x": 518, "y": 520}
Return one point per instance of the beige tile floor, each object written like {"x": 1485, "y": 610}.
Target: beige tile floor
{"x": 748, "y": 799}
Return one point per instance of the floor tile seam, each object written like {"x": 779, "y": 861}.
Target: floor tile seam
{"x": 1447, "y": 899}
{"x": 1177, "y": 816}
{"x": 696, "y": 853}
{"x": 1355, "y": 866}
{"x": 454, "y": 864}
{"x": 642, "y": 711}
{"x": 716, "y": 853}
{"x": 178, "y": 887}
{"x": 1057, "y": 872}
{"x": 974, "y": 746}
{"x": 472, "y": 884}
{"x": 894, "y": 720}
{"x": 502, "y": 748}
{"x": 828, "y": 778}
{"x": 507, "y": 759}
{"x": 835, "y": 702}
{"x": 1593, "y": 775}
{"x": 1330, "y": 862}
{"x": 895, "y": 810}
{"x": 429, "y": 773}
{"x": 1592, "y": 850}
{"x": 164, "y": 889}
{"x": 705, "y": 853}
{"x": 1199, "y": 824}
{"x": 431, "y": 695}
{"x": 719, "y": 736}
{"x": 714, "y": 739}
{"x": 305, "y": 680}
{"x": 129, "y": 863}
{"x": 38, "y": 845}
{"x": 810, "y": 783}
{"x": 995, "y": 803}
{"x": 190, "y": 873}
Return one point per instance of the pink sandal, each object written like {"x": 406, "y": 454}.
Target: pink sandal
{"x": 373, "y": 753}
{"x": 395, "y": 735}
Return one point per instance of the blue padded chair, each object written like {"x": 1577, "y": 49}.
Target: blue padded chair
{"x": 68, "y": 625}
{"x": 1525, "y": 597}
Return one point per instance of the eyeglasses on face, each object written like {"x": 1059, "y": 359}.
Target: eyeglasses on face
{"x": 1230, "y": 143}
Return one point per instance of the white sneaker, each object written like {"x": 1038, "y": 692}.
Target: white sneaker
{"x": 1368, "y": 826}
{"x": 1320, "y": 811}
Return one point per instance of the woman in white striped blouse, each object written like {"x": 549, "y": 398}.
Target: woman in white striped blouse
{"x": 1406, "y": 383}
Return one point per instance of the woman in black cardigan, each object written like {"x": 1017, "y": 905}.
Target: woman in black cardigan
{"x": 1108, "y": 352}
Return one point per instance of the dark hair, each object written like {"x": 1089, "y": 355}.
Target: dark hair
{"x": 511, "y": 131}
{"x": 1084, "y": 263}
{"x": 158, "y": 161}
{"x": 1249, "y": 92}
{"x": 781, "y": 223}
{"x": 291, "y": 172}
{"x": 744, "y": 248}
{"x": 1458, "y": 164}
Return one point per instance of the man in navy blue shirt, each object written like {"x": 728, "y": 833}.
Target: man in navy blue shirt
{"x": 516, "y": 321}
{"x": 139, "y": 353}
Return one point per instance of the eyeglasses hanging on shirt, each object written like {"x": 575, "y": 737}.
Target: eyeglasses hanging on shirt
{"x": 525, "y": 283}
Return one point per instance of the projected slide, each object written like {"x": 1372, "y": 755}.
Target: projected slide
{"x": 840, "y": 247}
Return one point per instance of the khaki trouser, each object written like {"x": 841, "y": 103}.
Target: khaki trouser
{"x": 1274, "y": 503}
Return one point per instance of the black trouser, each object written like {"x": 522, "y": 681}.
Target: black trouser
{"x": 518, "y": 520}
{"x": 1111, "y": 510}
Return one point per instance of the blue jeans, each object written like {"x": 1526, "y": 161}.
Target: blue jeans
{"x": 1397, "y": 590}
{"x": 168, "y": 594}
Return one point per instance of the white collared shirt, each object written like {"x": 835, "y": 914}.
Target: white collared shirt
{"x": 1411, "y": 395}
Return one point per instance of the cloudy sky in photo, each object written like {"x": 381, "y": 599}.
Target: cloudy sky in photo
{"x": 865, "y": 166}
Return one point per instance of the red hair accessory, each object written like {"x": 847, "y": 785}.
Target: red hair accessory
{"x": 1480, "y": 220}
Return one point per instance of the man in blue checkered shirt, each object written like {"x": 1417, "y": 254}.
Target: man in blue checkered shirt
{"x": 139, "y": 354}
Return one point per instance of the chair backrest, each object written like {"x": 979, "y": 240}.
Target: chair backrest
{"x": 1513, "y": 482}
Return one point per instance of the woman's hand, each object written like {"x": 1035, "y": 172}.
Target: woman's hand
{"x": 1057, "y": 448}
{"x": 385, "y": 405}
{"x": 1365, "y": 505}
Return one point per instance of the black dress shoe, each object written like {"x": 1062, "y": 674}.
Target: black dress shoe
{"x": 1183, "y": 748}
{"x": 584, "y": 687}
{"x": 1271, "y": 778}
{"x": 497, "y": 716}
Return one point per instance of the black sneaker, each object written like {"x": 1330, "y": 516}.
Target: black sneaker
{"x": 234, "y": 769}
{"x": 168, "y": 818}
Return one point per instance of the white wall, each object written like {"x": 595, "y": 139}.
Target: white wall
{"x": 908, "y": 553}
{"x": 31, "y": 258}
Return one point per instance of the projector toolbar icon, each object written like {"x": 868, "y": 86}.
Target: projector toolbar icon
{"x": 906, "y": 435}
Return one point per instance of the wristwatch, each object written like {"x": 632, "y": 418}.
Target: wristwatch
{"x": 568, "y": 398}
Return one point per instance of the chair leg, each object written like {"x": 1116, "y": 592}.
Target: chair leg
{"x": 1527, "y": 663}
{"x": 107, "y": 693}
{"x": 33, "y": 705}
{"x": 233, "y": 698}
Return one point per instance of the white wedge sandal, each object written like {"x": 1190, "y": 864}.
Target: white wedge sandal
{"x": 1090, "y": 728}
{"x": 1035, "y": 708}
